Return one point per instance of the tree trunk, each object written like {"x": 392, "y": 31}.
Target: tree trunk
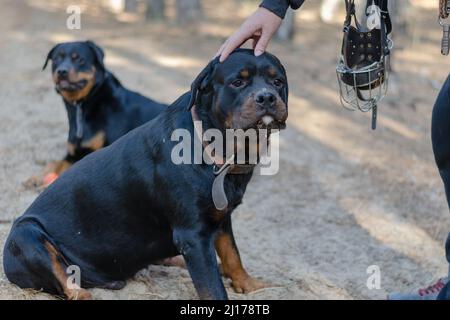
{"x": 155, "y": 10}
{"x": 188, "y": 11}
{"x": 130, "y": 6}
{"x": 286, "y": 30}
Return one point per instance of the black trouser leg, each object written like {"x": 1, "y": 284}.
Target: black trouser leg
{"x": 440, "y": 135}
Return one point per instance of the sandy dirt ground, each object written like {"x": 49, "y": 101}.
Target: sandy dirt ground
{"x": 345, "y": 197}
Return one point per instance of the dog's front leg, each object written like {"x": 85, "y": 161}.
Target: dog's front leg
{"x": 232, "y": 266}
{"x": 54, "y": 170}
{"x": 199, "y": 254}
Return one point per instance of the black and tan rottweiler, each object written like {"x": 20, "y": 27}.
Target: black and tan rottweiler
{"x": 128, "y": 205}
{"x": 99, "y": 108}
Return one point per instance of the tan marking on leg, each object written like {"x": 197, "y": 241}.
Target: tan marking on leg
{"x": 232, "y": 266}
{"x": 61, "y": 276}
{"x": 71, "y": 148}
{"x": 58, "y": 167}
{"x": 96, "y": 142}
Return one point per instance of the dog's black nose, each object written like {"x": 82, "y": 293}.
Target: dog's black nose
{"x": 265, "y": 99}
{"x": 62, "y": 73}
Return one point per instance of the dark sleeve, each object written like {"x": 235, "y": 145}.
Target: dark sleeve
{"x": 279, "y": 7}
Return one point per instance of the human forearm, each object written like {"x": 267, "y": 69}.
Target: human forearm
{"x": 279, "y": 7}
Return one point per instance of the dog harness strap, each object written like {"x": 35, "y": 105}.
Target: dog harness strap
{"x": 79, "y": 121}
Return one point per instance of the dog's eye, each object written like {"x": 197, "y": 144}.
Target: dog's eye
{"x": 278, "y": 83}
{"x": 81, "y": 61}
{"x": 238, "y": 83}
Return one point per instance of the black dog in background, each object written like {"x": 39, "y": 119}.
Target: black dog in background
{"x": 128, "y": 205}
{"x": 99, "y": 108}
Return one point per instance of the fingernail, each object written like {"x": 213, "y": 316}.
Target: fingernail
{"x": 258, "y": 52}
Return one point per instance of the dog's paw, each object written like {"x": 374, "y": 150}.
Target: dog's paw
{"x": 40, "y": 183}
{"x": 247, "y": 284}
{"x": 79, "y": 294}
{"x": 49, "y": 179}
{"x": 34, "y": 182}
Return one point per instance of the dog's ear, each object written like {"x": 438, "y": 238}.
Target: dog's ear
{"x": 98, "y": 53}
{"x": 49, "y": 56}
{"x": 201, "y": 82}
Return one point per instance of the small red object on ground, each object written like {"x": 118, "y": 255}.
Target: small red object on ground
{"x": 49, "y": 179}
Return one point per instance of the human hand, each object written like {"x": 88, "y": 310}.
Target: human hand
{"x": 260, "y": 27}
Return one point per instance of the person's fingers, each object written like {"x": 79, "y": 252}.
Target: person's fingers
{"x": 235, "y": 41}
{"x": 263, "y": 42}
{"x": 232, "y": 43}
{"x": 260, "y": 27}
{"x": 219, "y": 52}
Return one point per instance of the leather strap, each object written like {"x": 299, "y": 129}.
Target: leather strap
{"x": 350, "y": 9}
{"x": 351, "y": 13}
{"x": 443, "y": 9}
{"x": 219, "y": 162}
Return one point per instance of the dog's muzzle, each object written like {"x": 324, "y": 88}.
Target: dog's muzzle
{"x": 272, "y": 113}
{"x": 363, "y": 66}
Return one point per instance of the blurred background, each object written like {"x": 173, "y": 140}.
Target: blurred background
{"x": 346, "y": 197}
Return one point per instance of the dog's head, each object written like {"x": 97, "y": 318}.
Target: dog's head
{"x": 77, "y": 67}
{"x": 243, "y": 92}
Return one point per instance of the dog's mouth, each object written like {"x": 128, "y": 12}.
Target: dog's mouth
{"x": 67, "y": 85}
{"x": 268, "y": 122}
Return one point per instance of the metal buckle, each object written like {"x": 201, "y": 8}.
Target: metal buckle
{"x": 223, "y": 167}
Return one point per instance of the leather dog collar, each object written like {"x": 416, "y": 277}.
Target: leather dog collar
{"x": 79, "y": 118}
{"x": 219, "y": 162}
{"x": 219, "y": 196}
